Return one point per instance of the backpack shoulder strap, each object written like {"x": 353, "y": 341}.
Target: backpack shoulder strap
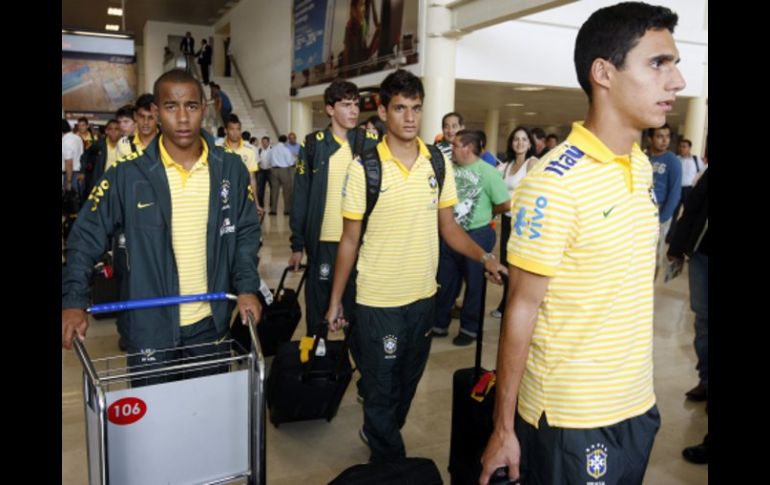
{"x": 358, "y": 142}
{"x": 437, "y": 161}
{"x": 310, "y": 148}
{"x": 370, "y": 160}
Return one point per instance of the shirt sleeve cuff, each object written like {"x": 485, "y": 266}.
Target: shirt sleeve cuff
{"x": 352, "y": 215}
{"x": 448, "y": 203}
{"x": 531, "y": 266}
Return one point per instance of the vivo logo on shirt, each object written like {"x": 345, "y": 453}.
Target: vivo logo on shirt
{"x": 566, "y": 161}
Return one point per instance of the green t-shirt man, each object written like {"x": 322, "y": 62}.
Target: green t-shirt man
{"x": 480, "y": 187}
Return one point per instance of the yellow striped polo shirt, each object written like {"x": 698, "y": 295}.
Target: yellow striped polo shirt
{"x": 190, "y": 192}
{"x": 398, "y": 260}
{"x": 585, "y": 217}
{"x": 331, "y": 227}
{"x": 247, "y": 154}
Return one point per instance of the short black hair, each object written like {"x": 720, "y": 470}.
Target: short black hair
{"x": 111, "y": 120}
{"x": 651, "y": 131}
{"x": 179, "y": 76}
{"x": 145, "y": 101}
{"x": 510, "y": 155}
{"x": 685, "y": 140}
{"x": 338, "y": 90}
{"x": 457, "y": 115}
{"x": 476, "y": 138}
{"x": 611, "y": 32}
{"x": 282, "y": 139}
{"x": 551, "y": 135}
{"x": 401, "y": 82}
{"x": 378, "y": 125}
{"x": 126, "y": 111}
{"x": 65, "y": 126}
{"x": 266, "y": 138}
{"x": 83, "y": 118}
{"x": 232, "y": 118}
{"x": 538, "y": 133}
{"x": 221, "y": 132}
{"x": 246, "y": 135}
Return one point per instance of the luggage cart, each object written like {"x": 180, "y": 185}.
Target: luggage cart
{"x": 186, "y": 429}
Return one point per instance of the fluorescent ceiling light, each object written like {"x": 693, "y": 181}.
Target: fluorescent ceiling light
{"x": 118, "y": 12}
{"x": 530, "y": 113}
{"x": 514, "y": 104}
{"x": 529, "y": 88}
{"x": 96, "y": 34}
{"x": 112, "y": 27}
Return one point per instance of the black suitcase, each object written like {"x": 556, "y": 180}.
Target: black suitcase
{"x": 403, "y": 471}
{"x": 313, "y": 390}
{"x": 279, "y": 319}
{"x": 471, "y": 419}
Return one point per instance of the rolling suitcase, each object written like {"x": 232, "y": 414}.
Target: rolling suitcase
{"x": 473, "y": 404}
{"x": 298, "y": 391}
{"x": 280, "y": 317}
{"x": 402, "y": 471}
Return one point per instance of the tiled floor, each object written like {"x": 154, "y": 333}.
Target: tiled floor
{"x": 314, "y": 452}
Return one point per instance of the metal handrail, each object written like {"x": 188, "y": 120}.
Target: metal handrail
{"x": 258, "y": 103}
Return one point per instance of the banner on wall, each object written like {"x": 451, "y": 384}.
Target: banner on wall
{"x": 348, "y": 38}
{"x": 98, "y": 74}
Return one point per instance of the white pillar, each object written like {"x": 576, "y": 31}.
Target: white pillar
{"x": 491, "y": 128}
{"x": 695, "y": 124}
{"x": 439, "y": 71}
{"x": 301, "y": 118}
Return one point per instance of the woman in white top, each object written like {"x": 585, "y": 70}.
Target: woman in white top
{"x": 520, "y": 157}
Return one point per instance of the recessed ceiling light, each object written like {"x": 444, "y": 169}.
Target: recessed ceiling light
{"x": 113, "y": 27}
{"x": 530, "y": 113}
{"x": 118, "y": 12}
{"x": 514, "y": 104}
{"x": 529, "y": 88}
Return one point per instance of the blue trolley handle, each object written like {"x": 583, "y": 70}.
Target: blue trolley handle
{"x": 158, "y": 302}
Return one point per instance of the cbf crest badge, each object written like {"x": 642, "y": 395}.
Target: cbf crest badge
{"x": 224, "y": 192}
{"x": 389, "y": 345}
{"x": 324, "y": 271}
{"x": 432, "y": 181}
{"x": 596, "y": 460}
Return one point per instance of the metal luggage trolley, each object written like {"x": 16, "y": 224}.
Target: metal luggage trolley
{"x": 188, "y": 429}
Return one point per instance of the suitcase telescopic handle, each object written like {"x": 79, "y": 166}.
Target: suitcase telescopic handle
{"x": 158, "y": 302}
{"x": 303, "y": 268}
{"x": 480, "y": 334}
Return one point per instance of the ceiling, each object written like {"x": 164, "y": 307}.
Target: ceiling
{"x": 92, "y": 14}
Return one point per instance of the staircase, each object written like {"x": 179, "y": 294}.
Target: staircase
{"x": 239, "y": 102}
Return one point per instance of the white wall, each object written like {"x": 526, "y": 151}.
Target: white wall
{"x": 156, "y": 38}
{"x": 261, "y": 42}
{"x": 538, "y": 49}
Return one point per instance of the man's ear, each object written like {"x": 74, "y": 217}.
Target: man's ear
{"x": 382, "y": 112}
{"x": 602, "y": 72}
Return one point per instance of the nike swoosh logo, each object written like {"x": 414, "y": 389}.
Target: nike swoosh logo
{"x": 607, "y": 212}
{"x": 143, "y": 206}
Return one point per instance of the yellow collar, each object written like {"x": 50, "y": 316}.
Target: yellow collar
{"x": 594, "y": 148}
{"x": 227, "y": 143}
{"x": 169, "y": 162}
{"x": 385, "y": 154}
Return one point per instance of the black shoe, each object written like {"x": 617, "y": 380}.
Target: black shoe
{"x": 287, "y": 213}
{"x": 463, "y": 339}
{"x": 698, "y": 393}
{"x": 698, "y": 454}
{"x": 273, "y": 213}
{"x": 436, "y": 333}
{"x": 456, "y": 311}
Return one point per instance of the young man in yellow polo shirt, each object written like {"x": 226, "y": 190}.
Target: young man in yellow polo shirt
{"x": 397, "y": 264}
{"x": 575, "y": 400}
{"x": 316, "y": 217}
{"x": 145, "y": 123}
{"x": 234, "y": 143}
{"x": 187, "y": 212}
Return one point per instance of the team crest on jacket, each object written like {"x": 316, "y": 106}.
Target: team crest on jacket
{"x": 596, "y": 460}
{"x": 389, "y": 344}
{"x": 224, "y": 191}
{"x": 325, "y": 270}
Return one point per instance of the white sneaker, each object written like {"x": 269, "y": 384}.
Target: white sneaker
{"x": 495, "y": 314}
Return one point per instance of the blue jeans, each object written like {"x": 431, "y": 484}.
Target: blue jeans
{"x": 453, "y": 268}
{"x": 699, "y": 303}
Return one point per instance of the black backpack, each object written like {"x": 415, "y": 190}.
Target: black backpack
{"x": 310, "y": 147}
